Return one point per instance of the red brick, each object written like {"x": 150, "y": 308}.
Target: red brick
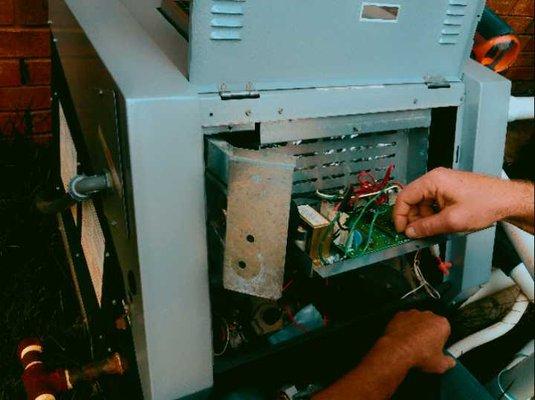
{"x": 523, "y": 7}
{"x": 9, "y": 73}
{"x": 523, "y": 88}
{"x": 24, "y": 42}
{"x": 526, "y": 42}
{"x": 15, "y": 122}
{"x": 6, "y": 12}
{"x": 525, "y": 60}
{"x": 521, "y": 73}
{"x": 501, "y": 6}
{"x": 31, "y": 12}
{"x": 519, "y": 24}
{"x": 39, "y": 72}
{"x": 24, "y": 98}
{"x": 42, "y": 139}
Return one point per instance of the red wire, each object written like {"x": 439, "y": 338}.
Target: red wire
{"x": 368, "y": 184}
{"x": 287, "y": 285}
{"x": 293, "y": 321}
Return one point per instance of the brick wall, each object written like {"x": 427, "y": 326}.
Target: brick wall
{"x": 519, "y": 14}
{"x": 24, "y": 69}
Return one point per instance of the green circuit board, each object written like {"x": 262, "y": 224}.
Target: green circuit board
{"x": 375, "y": 235}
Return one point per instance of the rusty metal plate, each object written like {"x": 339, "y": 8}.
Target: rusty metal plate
{"x": 258, "y": 206}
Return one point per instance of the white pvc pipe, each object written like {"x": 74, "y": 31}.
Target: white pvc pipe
{"x": 523, "y": 279}
{"x": 520, "y": 108}
{"x": 494, "y": 331}
{"x": 524, "y": 353}
{"x": 521, "y": 240}
{"x": 497, "y": 282}
{"x": 517, "y": 382}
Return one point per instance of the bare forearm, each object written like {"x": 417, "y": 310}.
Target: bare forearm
{"x": 520, "y": 205}
{"x": 376, "y": 378}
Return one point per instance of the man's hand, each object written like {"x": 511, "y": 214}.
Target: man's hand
{"x": 465, "y": 202}
{"x": 413, "y": 339}
{"x": 421, "y": 336}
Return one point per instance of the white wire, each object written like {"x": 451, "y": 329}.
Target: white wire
{"x": 431, "y": 291}
{"x": 411, "y": 292}
{"x": 326, "y": 196}
{"x": 388, "y": 189}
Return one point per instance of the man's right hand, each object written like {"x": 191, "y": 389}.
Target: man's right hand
{"x": 421, "y": 336}
{"x": 446, "y": 201}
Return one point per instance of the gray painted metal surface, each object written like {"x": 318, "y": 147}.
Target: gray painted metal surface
{"x": 287, "y": 43}
{"x": 480, "y": 142}
{"x": 305, "y": 129}
{"x": 156, "y": 213}
{"x": 332, "y": 162}
{"x": 282, "y": 105}
{"x": 161, "y": 132}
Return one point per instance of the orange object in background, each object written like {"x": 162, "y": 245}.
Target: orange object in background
{"x": 497, "y": 53}
{"x": 495, "y": 45}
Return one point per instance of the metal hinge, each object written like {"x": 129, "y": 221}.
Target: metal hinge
{"x": 248, "y": 93}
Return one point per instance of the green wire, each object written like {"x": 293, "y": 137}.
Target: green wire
{"x": 354, "y": 223}
{"x": 351, "y": 228}
{"x": 372, "y": 225}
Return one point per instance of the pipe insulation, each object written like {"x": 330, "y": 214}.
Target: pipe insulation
{"x": 494, "y": 331}
{"x": 520, "y": 108}
{"x": 497, "y": 282}
{"x": 522, "y": 354}
{"x": 523, "y": 279}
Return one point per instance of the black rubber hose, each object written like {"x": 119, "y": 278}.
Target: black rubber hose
{"x": 491, "y": 25}
{"x": 91, "y": 184}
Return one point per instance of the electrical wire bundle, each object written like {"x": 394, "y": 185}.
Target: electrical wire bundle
{"x": 350, "y": 202}
{"x": 423, "y": 283}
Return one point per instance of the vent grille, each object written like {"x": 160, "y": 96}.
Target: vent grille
{"x": 334, "y": 162}
{"x": 227, "y": 20}
{"x": 453, "y": 23}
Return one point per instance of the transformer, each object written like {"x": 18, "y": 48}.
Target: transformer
{"x": 213, "y": 120}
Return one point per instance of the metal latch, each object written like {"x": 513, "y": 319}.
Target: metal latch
{"x": 436, "y": 82}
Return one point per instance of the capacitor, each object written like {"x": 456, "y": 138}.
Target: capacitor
{"x": 357, "y": 239}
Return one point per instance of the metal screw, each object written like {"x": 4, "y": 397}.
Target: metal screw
{"x": 113, "y": 223}
{"x": 280, "y": 110}
{"x": 248, "y": 113}
{"x": 415, "y": 101}
{"x": 114, "y": 302}
{"x": 107, "y": 255}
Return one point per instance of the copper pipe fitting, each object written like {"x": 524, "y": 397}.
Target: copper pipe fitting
{"x": 42, "y": 384}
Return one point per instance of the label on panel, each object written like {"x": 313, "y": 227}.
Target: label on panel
{"x": 93, "y": 246}
{"x": 67, "y": 155}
